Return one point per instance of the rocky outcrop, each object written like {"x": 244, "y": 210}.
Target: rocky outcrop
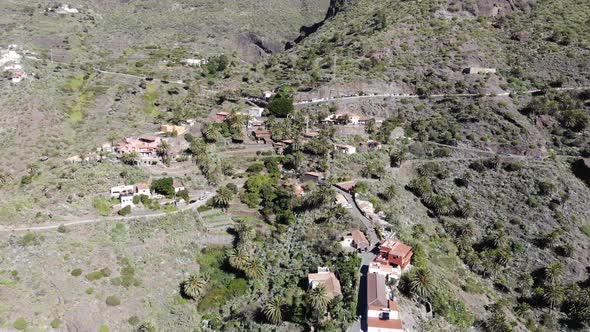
{"x": 337, "y": 6}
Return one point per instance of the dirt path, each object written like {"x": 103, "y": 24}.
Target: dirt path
{"x": 434, "y": 96}
{"x": 47, "y": 227}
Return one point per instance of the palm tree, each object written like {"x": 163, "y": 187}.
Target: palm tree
{"x": 554, "y": 273}
{"x": 525, "y": 283}
{"x": 223, "y": 197}
{"x": 554, "y": 295}
{"x": 318, "y": 298}
{"x": 146, "y": 327}
{"x": 273, "y": 311}
{"x": 194, "y": 285}
{"x": 130, "y": 158}
{"x": 163, "y": 150}
{"x": 390, "y": 192}
{"x": 238, "y": 258}
{"x": 422, "y": 283}
{"x": 499, "y": 239}
{"x": 112, "y": 137}
{"x": 246, "y": 232}
{"x": 322, "y": 195}
{"x": 254, "y": 268}
{"x": 498, "y": 321}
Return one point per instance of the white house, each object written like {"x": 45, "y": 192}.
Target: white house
{"x": 348, "y": 149}
{"x": 194, "y": 62}
{"x": 143, "y": 189}
{"x": 127, "y": 200}
{"x": 120, "y": 191}
{"x": 255, "y": 112}
{"x": 178, "y": 186}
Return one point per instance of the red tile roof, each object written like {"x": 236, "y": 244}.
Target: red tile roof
{"x": 386, "y": 324}
{"x": 329, "y": 280}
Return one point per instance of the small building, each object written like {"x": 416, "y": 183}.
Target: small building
{"x": 479, "y": 70}
{"x": 177, "y": 185}
{"x": 119, "y": 191}
{"x": 390, "y": 272}
{"x": 172, "y": 129}
{"x": 127, "y": 200}
{"x": 263, "y": 136}
{"x": 194, "y": 62}
{"x": 342, "y": 119}
{"x": 344, "y": 148}
{"x": 382, "y": 310}
{"x": 327, "y": 279}
{"x": 255, "y": 124}
{"x": 347, "y": 186}
{"x": 143, "y": 189}
{"x": 313, "y": 176}
{"x": 73, "y": 160}
{"x": 341, "y": 200}
{"x": 395, "y": 253}
{"x": 311, "y": 134}
{"x": 221, "y": 116}
{"x": 255, "y": 112}
{"x": 298, "y": 190}
{"x": 357, "y": 240}
{"x": 267, "y": 95}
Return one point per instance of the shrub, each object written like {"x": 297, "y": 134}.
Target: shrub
{"x": 281, "y": 105}
{"x": 204, "y": 208}
{"x": 125, "y": 211}
{"x": 163, "y": 186}
{"x": 62, "y": 229}
{"x": 103, "y": 206}
{"x": 113, "y": 301}
{"x": 56, "y": 323}
{"x": 105, "y": 272}
{"x": 76, "y": 272}
{"x": 133, "y": 320}
{"x": 30, "y": 239}
{"x": 20, "y": 323}
{"x": 103, "y": 328}
{"x": 184, "y": 195}
{"x": 136, "y": 200}
{"x": 89, "y": 291}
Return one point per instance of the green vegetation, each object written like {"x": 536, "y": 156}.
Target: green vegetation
{"x": 281, "y": 105}
{"x": 76, "y": 272}
{"x": 56, "y": 323}
{"x": 125, "y": 211}
{"x": 112, "y": 301}
{"x": 30, "y": 239}
{"x": 163, "y": 186}
{"x": 20, "y": 324}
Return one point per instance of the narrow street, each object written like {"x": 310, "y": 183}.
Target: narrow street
{"x": 358, "y": 214}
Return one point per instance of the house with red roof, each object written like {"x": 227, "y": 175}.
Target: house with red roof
{"x": 327, "y": 279}
{"x": 382, "y": 310}
{"x": 394, "y": 252}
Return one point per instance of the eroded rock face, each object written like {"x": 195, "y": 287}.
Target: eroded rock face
{"x": 493, "y": 8}
{"x": 336, "y": 6}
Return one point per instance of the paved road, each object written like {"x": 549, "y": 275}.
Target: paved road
{"x": 433, "y": 96}
{"x": 46, "y": 227}
{"x": 356, "y": 212}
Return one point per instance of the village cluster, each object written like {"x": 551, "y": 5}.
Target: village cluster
{"x": 392, "y": 259}
{"x": 11, "y": 63}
